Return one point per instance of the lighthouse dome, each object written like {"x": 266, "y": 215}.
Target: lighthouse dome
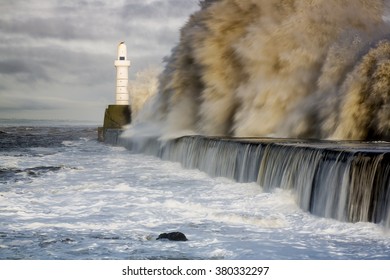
{"x": 122, "y": 51}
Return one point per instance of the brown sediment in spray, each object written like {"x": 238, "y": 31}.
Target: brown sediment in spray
{"x": 284, "y": 68}
{"x": 365, "y": 110}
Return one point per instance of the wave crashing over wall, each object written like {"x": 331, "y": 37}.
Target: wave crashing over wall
{"x": 285, "y": 68}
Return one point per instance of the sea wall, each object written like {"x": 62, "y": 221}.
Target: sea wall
{"x": 347, "y": 181}
{"x": 115, "y": 117}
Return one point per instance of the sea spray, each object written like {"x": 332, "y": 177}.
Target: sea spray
{"x": 142, "y": 89}
{"x": 287, "y": 68}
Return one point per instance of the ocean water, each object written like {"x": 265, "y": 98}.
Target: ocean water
{"x": 63, "y": 195}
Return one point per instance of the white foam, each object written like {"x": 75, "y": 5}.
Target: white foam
{"x": 110, "y": 197}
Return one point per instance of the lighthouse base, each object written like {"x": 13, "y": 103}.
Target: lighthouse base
{"x": 115, "y": 117}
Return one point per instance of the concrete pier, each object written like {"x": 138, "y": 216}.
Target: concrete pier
{"x": 115, "y": 117}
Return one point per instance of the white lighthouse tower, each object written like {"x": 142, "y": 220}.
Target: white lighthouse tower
{"x": 122, "y": 65}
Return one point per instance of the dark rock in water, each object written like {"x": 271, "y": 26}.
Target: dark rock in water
{"x": 173, "y": 236}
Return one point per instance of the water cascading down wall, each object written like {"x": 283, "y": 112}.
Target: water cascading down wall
{"x": 244, "y": 70}
{"x": 347, "y": 181}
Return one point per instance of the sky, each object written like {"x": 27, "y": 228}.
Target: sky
{"x": 57, "y": 57}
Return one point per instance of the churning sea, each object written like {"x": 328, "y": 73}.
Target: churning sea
{"x": 64, "y": 195}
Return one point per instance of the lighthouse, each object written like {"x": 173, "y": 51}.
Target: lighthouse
{"x": 118, "y": 115}
{"x": 122, "y": 65}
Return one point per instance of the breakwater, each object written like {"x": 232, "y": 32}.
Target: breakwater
{"x": 347, "y": 181}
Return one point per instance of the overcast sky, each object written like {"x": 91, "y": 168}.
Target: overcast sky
{"x": 57, "y": 57}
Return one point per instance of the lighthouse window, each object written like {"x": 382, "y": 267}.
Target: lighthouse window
{"x": 121, "y": 58}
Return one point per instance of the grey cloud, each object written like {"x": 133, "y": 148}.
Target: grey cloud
{"x": 67, "y": 22}
{"x": 158, "y": 9}
{"x": 77, "y": 67}
{"x": 85, "y": 20}
{"x": 61, "y": 49}
{"x": 76, "y": 6}
{"x": 58, "y": 27}
{"x": 13, "y": 66}
{"x": 53, "y": 64}
{"x": 23, "y": 71}
{"x": 40, "y": 28}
